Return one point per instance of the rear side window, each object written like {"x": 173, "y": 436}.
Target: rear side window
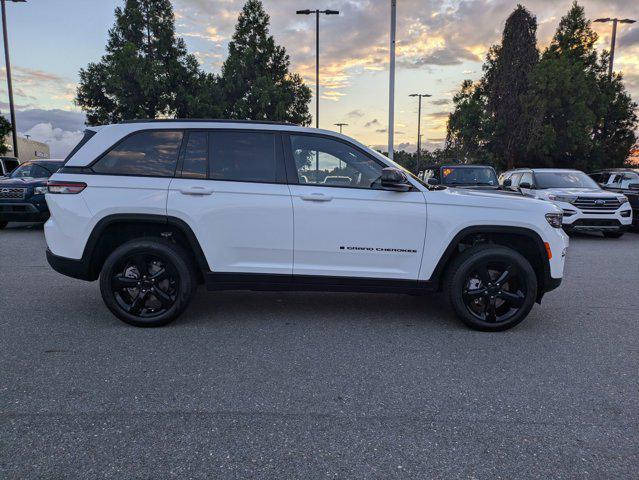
{"x": 149, "y": 153}
{"x": 242, "y": 156}
{"x": 195, "y": 161}
{"x": 87, "y": 136}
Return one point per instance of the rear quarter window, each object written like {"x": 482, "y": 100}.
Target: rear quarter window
{"x": 149, "y": 153}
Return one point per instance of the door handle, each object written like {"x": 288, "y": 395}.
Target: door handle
{"x": 195, "y": 191}
{"x": 316, "y": 197}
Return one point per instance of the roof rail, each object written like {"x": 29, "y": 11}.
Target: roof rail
{"x": 208, "y": 120}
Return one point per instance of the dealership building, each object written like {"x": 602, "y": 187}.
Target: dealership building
{"x": 27, "y": 149}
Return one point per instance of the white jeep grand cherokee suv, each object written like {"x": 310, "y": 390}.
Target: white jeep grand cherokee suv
{"x": 152, "y": 208}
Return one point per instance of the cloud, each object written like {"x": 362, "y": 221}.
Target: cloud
{"x": 438, "y": 115}
{"x": 372, "y": 123}
{"x": 60, "y": 142}
{"x": 441, "y": 101}
{"x": 630, "y": 37}
{"x": 61, "y": 119}
{"x": 355, "y": 114}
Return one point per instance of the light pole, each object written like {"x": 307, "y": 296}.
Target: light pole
{"x": 317, "y": 14}
{"x": 419, "y": 124}
{"x": 614, "y": 37}
{"x": 7, "y": 62}
{"x": 391, "y": 81}
{"x": 340, "y": 125}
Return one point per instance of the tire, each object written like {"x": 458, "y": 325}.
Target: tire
{"x": 3, "y": 224}
{"x": 613, "y": 234}
{"x": 147, "y": 282}
{"x": 483, "y": 296}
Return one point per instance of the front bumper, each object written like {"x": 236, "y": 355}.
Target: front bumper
{"x": 23, "y": 212}
{"x": 596, "y": 221}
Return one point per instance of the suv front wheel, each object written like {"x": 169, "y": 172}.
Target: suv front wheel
{"x": 147, "y": 282}
{"x": 491, "y": 288}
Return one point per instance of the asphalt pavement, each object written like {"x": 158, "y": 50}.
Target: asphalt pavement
{"x": 319, "y": 385}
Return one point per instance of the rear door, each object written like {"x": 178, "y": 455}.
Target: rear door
{"x": 230, "y": 188}
{"x": 355, "y": 230}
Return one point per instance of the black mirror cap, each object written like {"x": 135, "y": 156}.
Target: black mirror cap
{"x": 526, "y": 185}
{"x": 633, "y": 186}
{"x": 432, "y": 181}
{"x": 507, "y": 183}
{"x": 394, "y": 179}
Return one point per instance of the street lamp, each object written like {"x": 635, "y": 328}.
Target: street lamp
{"x": 340, "y": 125}
{"x": 9, "y": 84}
{"x": 614, "y": 37}
{"x": 317, "y": 14}
{"x": 419, "y": 124}
{"x": 391, "y": 80}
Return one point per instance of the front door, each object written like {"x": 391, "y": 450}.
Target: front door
{"x": 345, "y": 224}
{"x": 230, "y": 188}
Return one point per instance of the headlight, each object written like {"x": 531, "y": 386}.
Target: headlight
{"x": 562, "y": 198}
{"x": 622, "y": 199}
{"x": 40, "y": 190}
{"x": 555, "y": 219}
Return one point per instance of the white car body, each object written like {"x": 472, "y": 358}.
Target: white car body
{"x": 250, "y": 227}
{"x": 584, "y": 209}
{"x": 386, "y": 232}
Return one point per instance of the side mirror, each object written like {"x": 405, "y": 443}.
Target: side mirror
{"x": 395, "y": 180}
{"x": 526, "y": 185}
{"x": 507, "y": 183}
{"x": 633, "y": 186}
{"x": 432, "y": 181}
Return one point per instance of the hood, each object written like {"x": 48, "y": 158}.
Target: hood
{"x": 577, "y": 192}
{"x": 488, "y": 199}
{"x": 22, "y": 182}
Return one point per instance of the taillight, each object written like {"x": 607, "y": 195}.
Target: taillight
{"x": 66, "y": 187}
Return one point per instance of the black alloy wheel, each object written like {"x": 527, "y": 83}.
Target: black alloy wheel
{"x": 491, "y": 287}
{"x": 147, "y": 282}
{"x": 145, "y": 286}
{"x": 494, "y": 291}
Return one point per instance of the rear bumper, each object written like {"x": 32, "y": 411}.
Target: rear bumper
{"x": 70, "y": 267}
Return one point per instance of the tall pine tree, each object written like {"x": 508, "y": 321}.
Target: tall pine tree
{"x": 256, "y": 80}
{"x": 582, "y": 118}
{"x": 506, "y": 82}
{"x": 146, "y": 71}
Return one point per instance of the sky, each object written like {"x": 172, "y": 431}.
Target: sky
{"x": 439, "y": 44}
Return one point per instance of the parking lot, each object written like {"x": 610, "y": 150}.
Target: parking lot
{"x": 318, "y": 385}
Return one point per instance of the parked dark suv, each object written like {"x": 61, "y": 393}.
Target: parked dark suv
{"x": 22, "y": 192}
{"x": 622, "y": 180}
{"x": 462, "y": 176}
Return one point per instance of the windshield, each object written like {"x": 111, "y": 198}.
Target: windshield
{"x": 469, "y": 176}
{"x": 33, "y": 170}
{"x": 564, "y": 180}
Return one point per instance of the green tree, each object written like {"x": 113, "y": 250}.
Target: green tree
{"x": 256, "y": 80}
{"x": 506, "y": 81}
{"x": 146, "y": 71}
{"x": 5, "y": 129}
{"x": 468, "y": 126}
{"x": 580, "y": 118}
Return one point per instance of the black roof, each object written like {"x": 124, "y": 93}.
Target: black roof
{"x": 207, "y": 120}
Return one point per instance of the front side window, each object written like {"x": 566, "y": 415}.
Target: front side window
{"x": 242, "y": 156}
{"x": 526, "y": 178}
{"x": 150, "y": 153}
{"x": 323, "y": 161}
{"x": 629, "y": 178}
{"x": 515, "y": 180}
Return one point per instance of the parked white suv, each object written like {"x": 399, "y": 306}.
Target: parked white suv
{"x": 152, "y": 208}
{"x": 585, "y": 205}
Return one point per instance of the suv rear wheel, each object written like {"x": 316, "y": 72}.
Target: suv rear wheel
{"x": 491, "y": 288}
{"x": 147, "y": 282}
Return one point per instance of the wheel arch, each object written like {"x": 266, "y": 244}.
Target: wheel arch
{"x": 521, "y": 239}
{"x": 113, "y": 230}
